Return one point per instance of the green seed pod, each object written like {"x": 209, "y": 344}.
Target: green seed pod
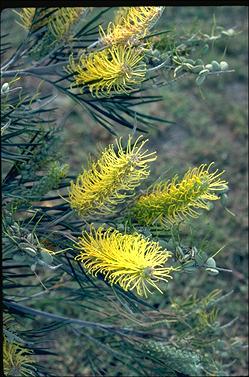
{"x": 215, "y": 66}
{"x": 209, "y": 67}
{"x": 189, "y": 61}
{"x": 188, "y": 66}
{"x": 212, "y": 271}
{"x": 204, "y": 72}
{"x": 200, "y": 258}
{"x": 211, "y": 263}
{"x": 197, "y": 69}
{"x": 224, "y": 66}
{"x": 199, "y": 62}
{"x": 5, "y": 88}
{"x": 229, "y": 32}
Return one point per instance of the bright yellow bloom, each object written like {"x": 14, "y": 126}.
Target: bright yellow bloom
{"x": 16, "y": 359}
{"x": 130, "y": 24}
{"x": 115, "y": 70}
{"x": 130, "y": 260}
{"x": 108, "y": 181}
{"x": 171, "y": 202}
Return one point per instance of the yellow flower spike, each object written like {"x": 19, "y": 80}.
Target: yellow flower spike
{"x": 110, "y": 180}
{"x": 27, "y": 15}
{"x": 16, "y": 359}
{"x": 169, "y": 203}
{"x": 130, "y": 260}
{"x": 115, "y": 70}
{"x": 62, "y": 20}
{"x": 131, "y": 23}
{"x": 58, "y": 20}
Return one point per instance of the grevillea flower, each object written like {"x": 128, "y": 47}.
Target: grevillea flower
{"x": 27, "y": 17}
{"x": 108, "y": 181}
{"x": 172, "y": 201}
{"x": 62, "y": 20}
{"x": 16, "y": 359}
{"x": 115, "y": 70}
{"x": 56, "y": 24}
{"x": 58, "y": 20}
{"x": 131, "y": 23}
{"x": 130, "y": 260}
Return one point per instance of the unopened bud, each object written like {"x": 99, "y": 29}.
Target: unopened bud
{"x": 5, "y": 88}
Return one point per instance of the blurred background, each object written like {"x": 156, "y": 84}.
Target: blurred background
{"x": 210, "y": 125}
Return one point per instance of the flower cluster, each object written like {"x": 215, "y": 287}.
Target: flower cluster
{"x": 118, "y": 69}
{"x": 172, "y": 201}
{"x": 56, "y": 24}
{"x": 109, "y": 180}
{"x": 17, "y": 360}
{"x": 131, "y": 24}
{"x": 26, "y": 15}
{"x": 130, "y": 260}
{"x": 57, "y": 20}
{"x": 35, "y": 18}
{"x": 62, "y": 21}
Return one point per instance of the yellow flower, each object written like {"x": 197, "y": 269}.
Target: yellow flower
{"x": 108, "y": 181}
{"x": 27, "y": 15}
{"x": 16, "y": 359}
{"x": 130, "y": 24}
{"x": 58, "y": 20}
{"x": 171, "y": 202}
{"x": 62, "y": 20}
{"x": 130, "y": 260}
{"x": 115, "y": 70}
{"x": 56, "y": 24}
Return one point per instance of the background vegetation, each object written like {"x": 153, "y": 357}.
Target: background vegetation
{"x": 210, "y": 125}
